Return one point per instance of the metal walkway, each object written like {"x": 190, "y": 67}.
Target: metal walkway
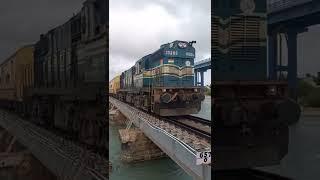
{"x": 61, "y": 157}
{"x": 180, "y": 152}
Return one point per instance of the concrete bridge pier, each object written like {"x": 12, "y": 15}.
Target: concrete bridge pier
{"x": 201, "y": 67}
{"x": 136, "y": 147}
{"x": 16, "y": 162}
{"x": 197, "y": 82}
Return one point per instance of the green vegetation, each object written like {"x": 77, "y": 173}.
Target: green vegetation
{"x": 208, "y": 90}
{"x": 308, "y": 94}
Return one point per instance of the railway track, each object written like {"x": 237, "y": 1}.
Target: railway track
{"x": 196, "y": 125}
{"x": 199, "y": 126}
{"x": 83, "y": 158}
{"x": 196, "y": 138}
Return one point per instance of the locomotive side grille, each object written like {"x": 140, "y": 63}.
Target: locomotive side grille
{"x": 214, "y": 38}
{"x": 244, "y": 37}
{"x": 238, "y": 37}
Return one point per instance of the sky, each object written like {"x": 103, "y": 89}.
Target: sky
{"x": 139, "y": 27}
{"x": 308, "y": 51}
{"x": 23, "y": 21}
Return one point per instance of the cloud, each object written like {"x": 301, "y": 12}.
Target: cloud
{"x": 139, "y": 27}
{"x": 22, "y": 22}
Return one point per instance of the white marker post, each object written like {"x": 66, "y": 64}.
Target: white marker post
{"x": 203, "y": 157}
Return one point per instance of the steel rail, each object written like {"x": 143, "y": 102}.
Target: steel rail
{"x": 65, "y": 149}
{"x": 198, "y": 120}
{"x": 199, "y": 132}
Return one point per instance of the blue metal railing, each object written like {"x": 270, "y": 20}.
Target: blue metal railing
{"x": 278, "y": 5}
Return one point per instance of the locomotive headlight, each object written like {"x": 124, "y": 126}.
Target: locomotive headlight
{"x": 182, "y": 45}
{"x": 195, "y": 90}
{"x": 272, "y": 90}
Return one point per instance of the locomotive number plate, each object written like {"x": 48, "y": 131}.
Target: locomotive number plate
{"x": 203, "y": 157}
{"x": 172, "y": 53}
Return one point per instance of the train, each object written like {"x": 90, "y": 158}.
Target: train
{"x": 251, "y": 112}
{"x": 59, "y": 81}
{"x": 162, "y": 82}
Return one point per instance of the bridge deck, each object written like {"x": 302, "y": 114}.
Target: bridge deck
{"x": 203, "y": 64}
{"x": 279, "y": 5}
{"x": 286, "y": 11}
{"x": 61, "y": 157}
{"x": 178, "y": 151}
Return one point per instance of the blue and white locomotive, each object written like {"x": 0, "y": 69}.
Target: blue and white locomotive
{"x": 163, "y": 82}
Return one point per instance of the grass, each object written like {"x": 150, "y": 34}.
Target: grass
{"x": 308, "y": 95}
{"x": 207, "y": 91}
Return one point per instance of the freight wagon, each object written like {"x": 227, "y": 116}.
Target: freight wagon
{"x": 114, "y": 86}
{"x": 251, "y": 113}
{"x": 163, "y": 82}
{"x": 69, "y": 65}
{"x": 16, "y": 74}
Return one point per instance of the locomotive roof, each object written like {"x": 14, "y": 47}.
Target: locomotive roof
{"x": 161, "y": 47}
{"x": 144, "y": 57}
{"x": 167, "y": 44}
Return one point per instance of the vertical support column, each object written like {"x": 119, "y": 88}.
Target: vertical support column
{"x": 196, "y": 77}
{"x": 292, "y": 62}
{"x": 202, "y": 78}
{"x": 272, "y": 55}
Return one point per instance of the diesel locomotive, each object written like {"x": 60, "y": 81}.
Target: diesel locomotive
{"x": 162, "y": 82}
{"x": 60, "y": 82}
{"x": 251, "y": 112}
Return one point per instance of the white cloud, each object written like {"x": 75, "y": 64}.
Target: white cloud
{"x": 138, "y": 28}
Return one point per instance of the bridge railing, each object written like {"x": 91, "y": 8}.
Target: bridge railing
{"x": 277, "y": 5}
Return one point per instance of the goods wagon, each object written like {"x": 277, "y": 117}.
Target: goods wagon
{"x": 69, "y": 65}
{"x": 163, "y": 82}
{"x": 16, "y": 74}
{"x": 114, "y": 86}
{"x": 251, "y": 113}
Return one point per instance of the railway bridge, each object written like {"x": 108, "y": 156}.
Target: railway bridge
{"x": 287, "y": 19}
{"x": 179, "y": 141}
{"x": 201, "y": 67}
